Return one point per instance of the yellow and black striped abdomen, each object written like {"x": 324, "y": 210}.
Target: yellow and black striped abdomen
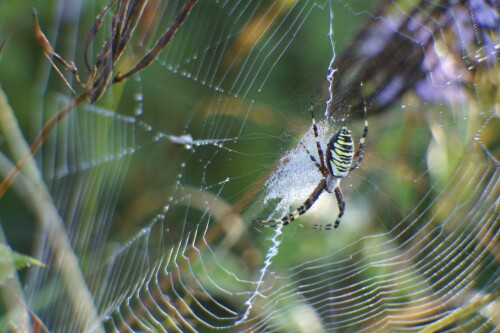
{"x": 340, "y": 152}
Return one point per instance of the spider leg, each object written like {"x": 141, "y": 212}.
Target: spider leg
{"x": 318, "y": 145}
{"x": 358, "y": 156}
{"x": 341, "y": 203}
{"x": 313, "y": 159}
{"x": 299, "y": 211}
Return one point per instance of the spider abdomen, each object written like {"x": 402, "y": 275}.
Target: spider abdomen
{"x": 340, "y": 153}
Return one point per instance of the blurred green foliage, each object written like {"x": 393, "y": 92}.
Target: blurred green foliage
{"x": 396, "y": 181}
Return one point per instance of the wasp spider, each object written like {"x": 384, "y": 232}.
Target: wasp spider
{"x": 339, "y": 161}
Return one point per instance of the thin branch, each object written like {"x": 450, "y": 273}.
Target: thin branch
{"x": 161, "y": 43}
{"x": 92, "y": 33}
{"x": 48, "y": 51}
{"x": 39, "y": 139}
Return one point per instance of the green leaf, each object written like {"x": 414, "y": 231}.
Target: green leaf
{"x": 10, "y": 259}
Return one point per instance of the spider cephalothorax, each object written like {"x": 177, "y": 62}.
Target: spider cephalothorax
{"x": 340, "y": 159}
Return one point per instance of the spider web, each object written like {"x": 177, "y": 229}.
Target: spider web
{"x": 145, "y": 220}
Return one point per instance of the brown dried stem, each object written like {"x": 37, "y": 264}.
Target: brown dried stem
{"x": 161, "y": 43}
{"x": 125, "y": 19}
